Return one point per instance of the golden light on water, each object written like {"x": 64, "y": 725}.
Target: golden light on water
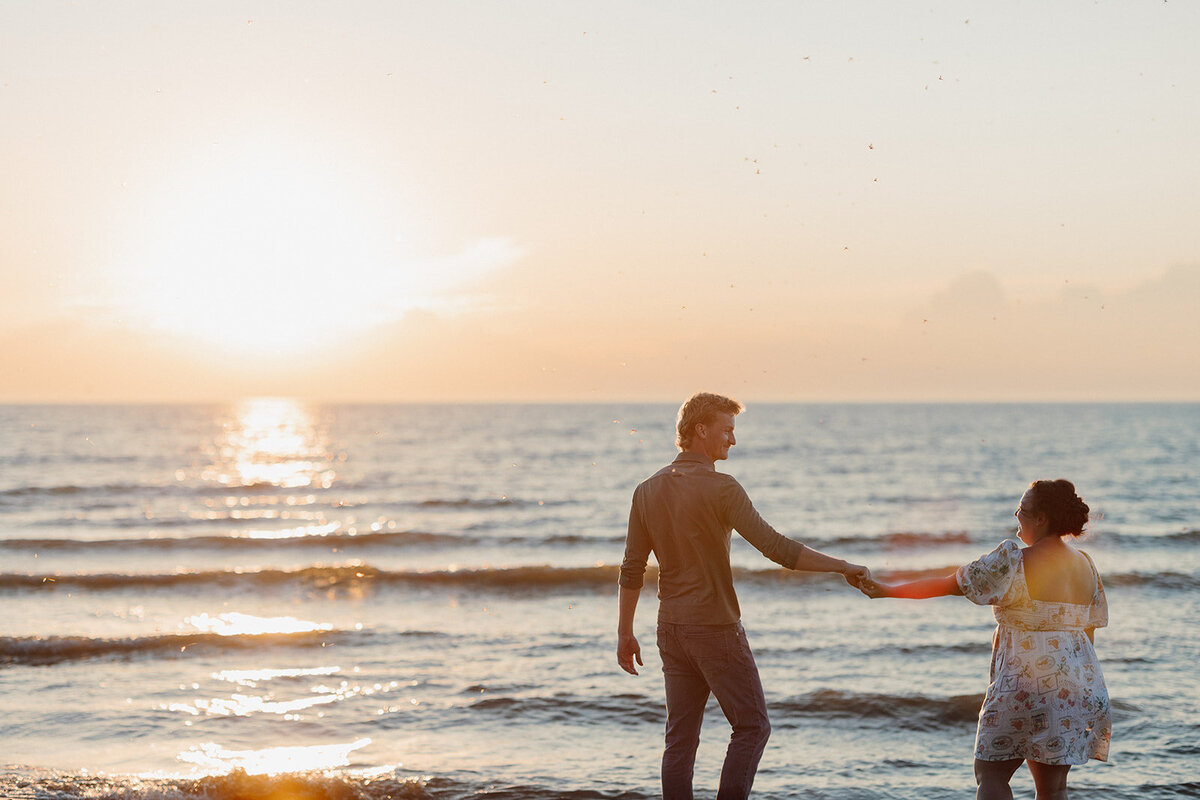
{"x": 252, "y": 677}
{"x": 272, "y": 442}
{"x": 234, "y": 623}
{"x": 243, "y": 705}
{"x": 292, "y": 533}
{"x": 212, "y": 757}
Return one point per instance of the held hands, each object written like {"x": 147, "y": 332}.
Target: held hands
{"x": 860, "y": 578}
{"x": 872, "y": 589}
{"x": 855, "y": 574}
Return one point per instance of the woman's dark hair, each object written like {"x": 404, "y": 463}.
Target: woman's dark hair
{"x": 1065, "y": 510}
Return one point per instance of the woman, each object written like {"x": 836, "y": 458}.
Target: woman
{"x": 1046, "y": 704}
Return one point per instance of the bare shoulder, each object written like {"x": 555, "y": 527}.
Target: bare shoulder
{"x": 1059, "y": 574}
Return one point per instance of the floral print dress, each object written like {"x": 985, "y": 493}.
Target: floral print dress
{"x": 1047, "y": 700}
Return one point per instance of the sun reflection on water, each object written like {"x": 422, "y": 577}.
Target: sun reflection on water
{"x": 243, "y": 705}
{"x": 272, "y": 760}
{"x": 252, "y": 677}
{"x": 234, "y": 623}
{"x": 272, "y": 442}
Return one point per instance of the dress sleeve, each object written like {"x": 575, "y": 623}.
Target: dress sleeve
{"x": 1098, "y": 612}
{"x": 989, "y": 580}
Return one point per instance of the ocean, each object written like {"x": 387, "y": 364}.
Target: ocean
{"x": 277, "y": 599}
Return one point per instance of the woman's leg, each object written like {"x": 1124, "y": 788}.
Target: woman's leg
{"x": 992, "y": 779}
{"x": 1050, "y": 780}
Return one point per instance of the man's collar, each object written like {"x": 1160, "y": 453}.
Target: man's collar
{"x": 696, "y": 458}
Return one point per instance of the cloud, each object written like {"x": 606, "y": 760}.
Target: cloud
{"x": 971, "y": 294}
{"x": 975, "y": 340}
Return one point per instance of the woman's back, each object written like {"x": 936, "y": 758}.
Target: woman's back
{"x": 1058, "y": 573}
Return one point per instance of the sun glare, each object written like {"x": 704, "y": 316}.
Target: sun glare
{"x": 260, "y": 259}
{"x": 270, "y": 250}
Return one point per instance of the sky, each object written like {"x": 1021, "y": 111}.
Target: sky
{"x": 624, "y": 201}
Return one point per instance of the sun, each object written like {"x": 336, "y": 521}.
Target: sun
{"x": 265, "y": 253}
{"x": 265, "y": 249}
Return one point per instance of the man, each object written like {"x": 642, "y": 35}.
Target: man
{"x": 684, "y": 514}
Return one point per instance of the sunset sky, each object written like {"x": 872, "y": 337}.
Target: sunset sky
{"x": 558, "y": 201}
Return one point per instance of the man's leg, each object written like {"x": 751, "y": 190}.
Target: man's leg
{"x": 687, "y": 694}
{"x": 738, "y": 689}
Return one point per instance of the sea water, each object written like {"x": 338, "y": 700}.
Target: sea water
{"x": 274, "y": 598}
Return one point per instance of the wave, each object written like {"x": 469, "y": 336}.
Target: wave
{"x": 905, "y": 711}
{"x": 899, "y": 540}
{"x": 491, "y": 502}
{"x": 270, "y": 540}
{"x": 117, "y": 489}
{"x": 326, "y": 578}
{"x": 339, "y": 495}
{"x": 357, "y": 577}
{"x": 1186, "y": 537}
{"x": 1158, "y": 580}
{"x": 963, "y": 648}
{"x": 914, "y": 712}
{"x": 913, "y": 540}
{"x": 40, "y": 651}
{"x": 49, "y": 650}
{"x": 399, "y": 784}
{"x": 623, "y": 709}
{"x": 395, "y": 784}
{"x": 73, "y": 489}
{"x": 294, "y": 538}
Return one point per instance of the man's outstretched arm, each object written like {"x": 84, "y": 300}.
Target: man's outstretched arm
{"x": 627, "y": 644}
{"x": 811, "y": 560}
{"x": 779, "y": 548}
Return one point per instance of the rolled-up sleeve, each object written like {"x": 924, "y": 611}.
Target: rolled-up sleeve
{"x": 745, "y": 519}
{"x": 637, "y": 548}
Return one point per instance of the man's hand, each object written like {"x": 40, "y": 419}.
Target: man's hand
{"x": 628, "y": 650}
{"x": 856, "y": 575}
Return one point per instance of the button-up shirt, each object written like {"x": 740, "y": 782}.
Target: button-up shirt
{"x": 684, "y": 513}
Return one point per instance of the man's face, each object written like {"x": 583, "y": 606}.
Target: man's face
{"x": 717, "y": 436}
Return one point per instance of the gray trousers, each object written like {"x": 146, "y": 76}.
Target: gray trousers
{"x": 699, "y": 660}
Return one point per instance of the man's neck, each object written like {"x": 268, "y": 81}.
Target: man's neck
{"x": 696, "y": 451}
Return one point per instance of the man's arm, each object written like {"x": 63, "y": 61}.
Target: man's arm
{"x": 633, "y": 570}
{"x": 811, "y": 560}
{"x": 779, "y": 548}
{"x": 627, "y": 644}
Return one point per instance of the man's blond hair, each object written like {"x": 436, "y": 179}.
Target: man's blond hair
{"x": 699, "y": 409}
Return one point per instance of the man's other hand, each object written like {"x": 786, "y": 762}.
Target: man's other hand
{"x": 628, "y": 650}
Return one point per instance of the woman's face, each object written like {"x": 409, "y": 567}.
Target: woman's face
{"x": 1031, "y": 525}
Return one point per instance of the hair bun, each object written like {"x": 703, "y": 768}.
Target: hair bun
{"x": 1065, "y": 510}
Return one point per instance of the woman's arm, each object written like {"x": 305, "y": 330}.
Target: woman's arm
{"x": 914, "y": 590}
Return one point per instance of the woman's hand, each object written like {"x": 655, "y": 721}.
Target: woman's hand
{"x": 873, "y": 589}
